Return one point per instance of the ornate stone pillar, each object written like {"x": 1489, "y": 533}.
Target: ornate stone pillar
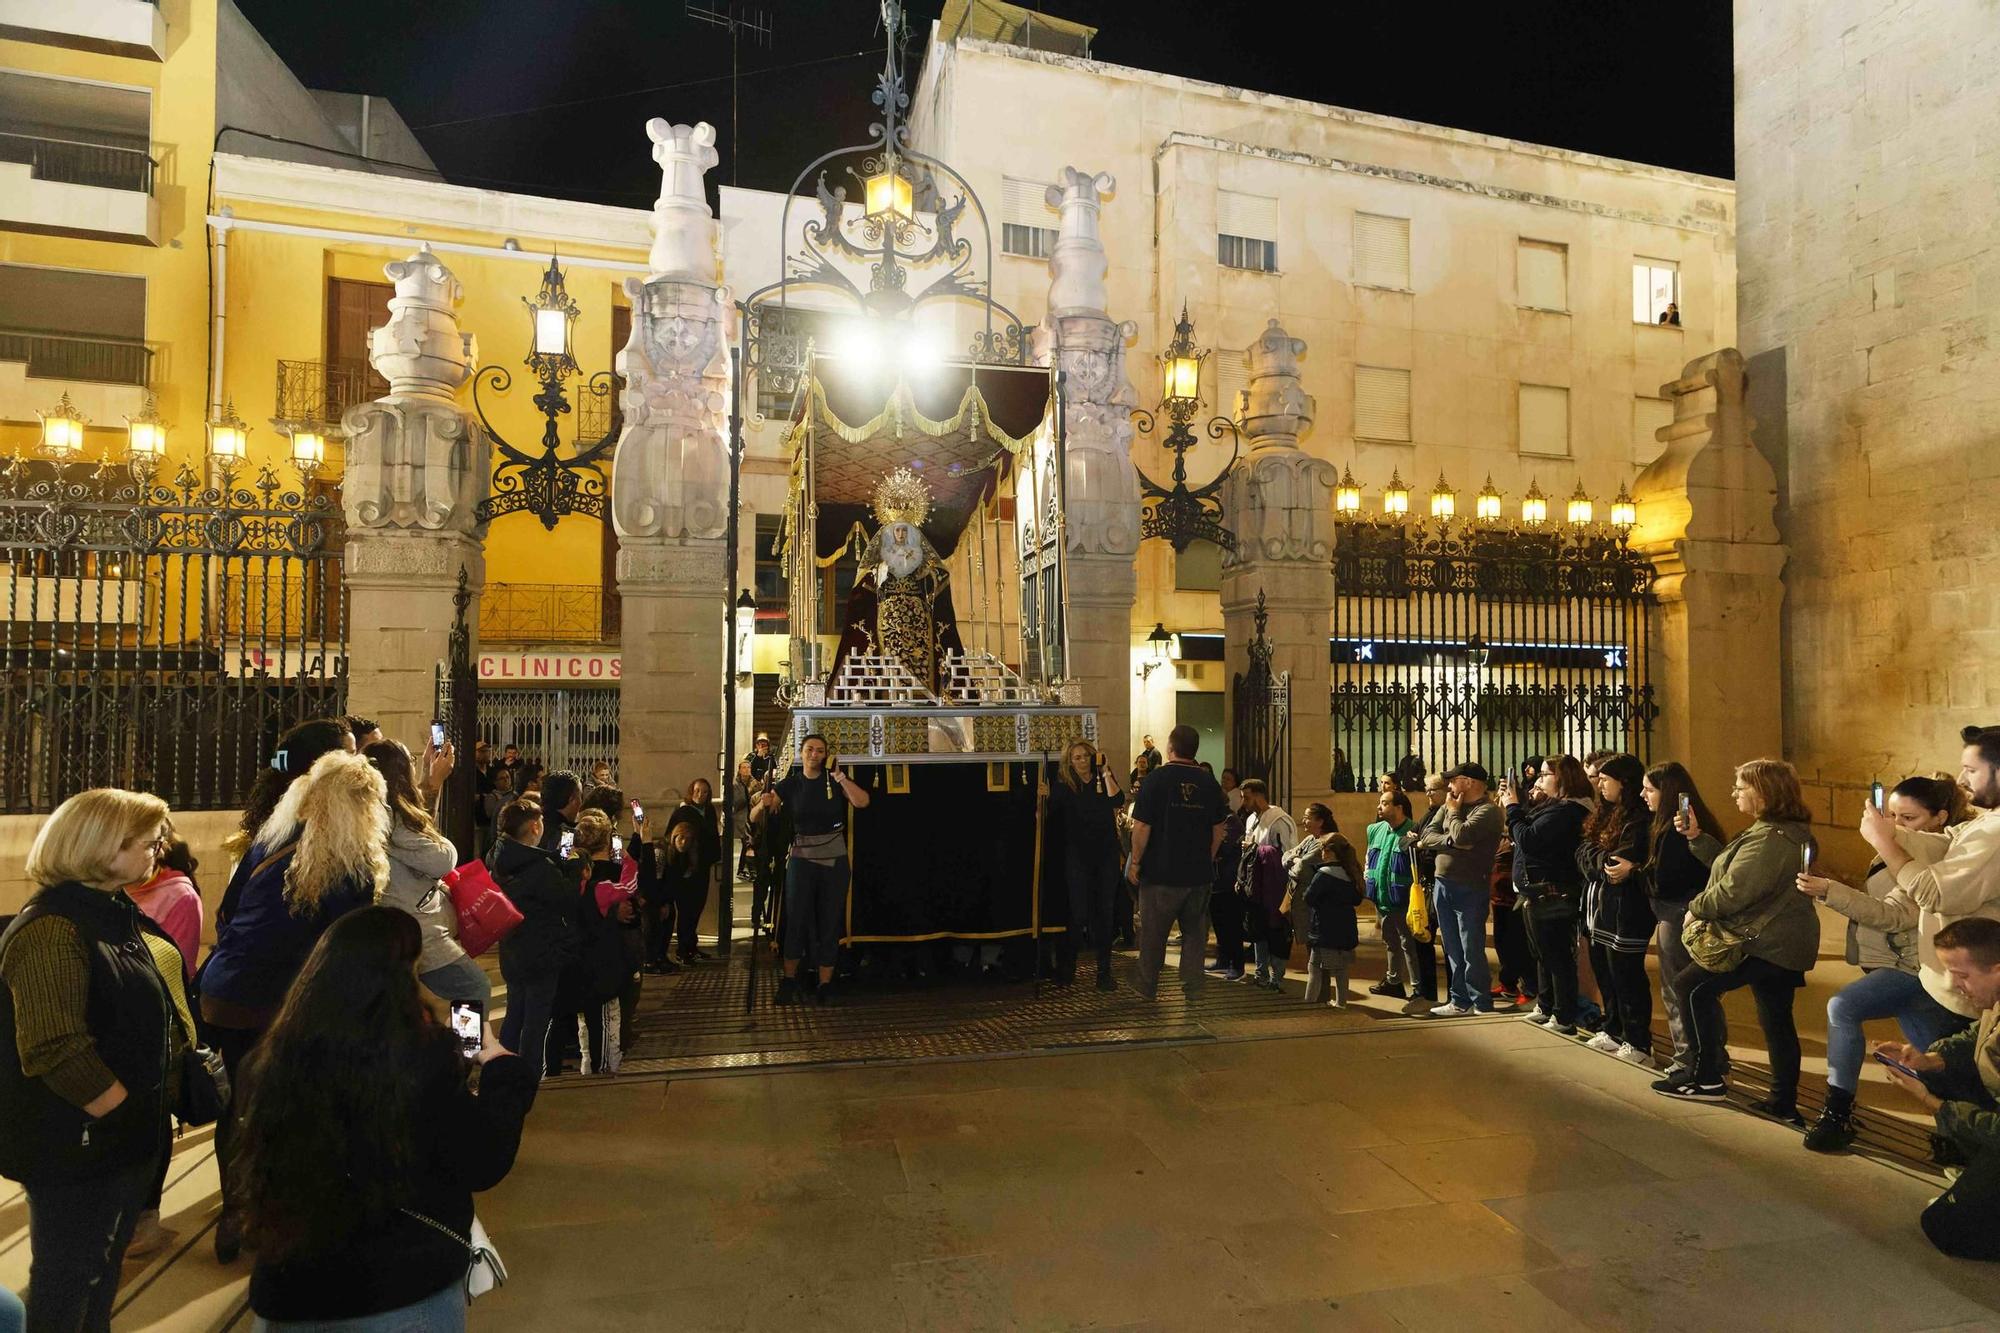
{"x": 1101, "y": 487}
{"x": 1706, "y": 520}
{"x": 670, "y": 489}
{"x": 417, "y": 468}
{"x": 1279, "y": 503}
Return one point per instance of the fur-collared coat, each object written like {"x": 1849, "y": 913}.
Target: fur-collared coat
{"x": 322, "y": 853}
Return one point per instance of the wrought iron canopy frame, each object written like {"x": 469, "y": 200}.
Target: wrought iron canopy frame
{"x": 1181, "y": 514}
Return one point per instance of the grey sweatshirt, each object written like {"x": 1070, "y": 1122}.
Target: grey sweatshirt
{"x": 1466, "y": 843}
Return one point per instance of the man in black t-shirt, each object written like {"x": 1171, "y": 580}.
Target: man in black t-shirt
{"x": 816, "y": 796}
{"x": 1177, "y": 821}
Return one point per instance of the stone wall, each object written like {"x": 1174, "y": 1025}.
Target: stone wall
{"x": 1869, "y": 270}
{"x": 203, "y": 829}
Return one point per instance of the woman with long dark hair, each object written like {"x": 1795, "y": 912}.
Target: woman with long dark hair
{"x": 1891, "y": 936}
{"x": 1084, "y": 801}
{"x": 1684, "y": 841}
{"x": 1549, "y": 885}
{"x": 419, "y": 857}
{"x": 697, "y": 809}
{"x": 322, "y": 852}
{"x": 1751, "y": 927}
{"x": 361, "y": 1144}
{"x": 1613, "y": 850}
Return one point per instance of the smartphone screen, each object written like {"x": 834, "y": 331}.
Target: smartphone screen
{"x": 466, "y": 1021}
{"x": 1806, "y": 854}
{"x": 1875, "y": 795}
{"x": 638, "y": 812}
{"x": 1897, "y": 1065}
{"x": 1687, "y": 803}
{"x": 437, "y": 735}
{"x": 617, "y": 845}
{"x": 568, "y": 843}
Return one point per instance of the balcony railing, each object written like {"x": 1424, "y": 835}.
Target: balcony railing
{"x": 597, "y": 412}
{"x": 322, "y": 391}
{"x": 69, "y": 356}
{"x": 73, "y": 162}
{"x": 546, "y": 613}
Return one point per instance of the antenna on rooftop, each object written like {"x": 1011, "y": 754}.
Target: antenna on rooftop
{"x": 741, "y": 20}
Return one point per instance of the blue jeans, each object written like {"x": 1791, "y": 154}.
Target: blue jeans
{"x": 461, "y": 981}
{"x": 525, "y": 1030}
{"x": 443, "y": 1312}
{"x": 1883, "y": 993}
{"x": 1461, "y": 917}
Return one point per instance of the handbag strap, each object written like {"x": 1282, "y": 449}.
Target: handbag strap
{"x": 471, "y": 1252}
{"x": 275, "y": 857}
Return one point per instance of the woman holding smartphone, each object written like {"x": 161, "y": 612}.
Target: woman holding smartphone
{"x": 1750, "y": 927}
{"x": 361, "y": 1142}
{"x": 1683, "y": 842}
{"x": 420, "y": 856}
{"x": 1890, "y": 936}
{"x": 1621, "y": 919}
{"x": 1083, "y": 815}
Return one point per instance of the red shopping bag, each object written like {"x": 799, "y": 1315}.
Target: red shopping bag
{"x": 485, "y": 915}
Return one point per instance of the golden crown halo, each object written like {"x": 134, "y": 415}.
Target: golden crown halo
{"x": 901, "y": 497}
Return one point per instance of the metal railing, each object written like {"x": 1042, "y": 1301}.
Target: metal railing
{"x": 322, "y": 391}
{"x": 74, "y": 162}
{"x": 73, "y": 356}
{"x": 546, "y": 613}
{"x": 597, "y": 411}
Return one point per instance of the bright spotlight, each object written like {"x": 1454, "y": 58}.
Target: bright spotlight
{"x": 861, "y": 341}
{"x": 922, "y": 351}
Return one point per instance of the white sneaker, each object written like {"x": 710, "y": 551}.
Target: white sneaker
{"x": 1632, "y": 1055}
{"x": 1605, "y": 1042}
{"x": 1336, "y": 1004}
{"x": 1538, "y": 1018}
{"x": 1449, "y": 1011}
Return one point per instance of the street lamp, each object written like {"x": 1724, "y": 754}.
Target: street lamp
{"x": 146, "y": 438}
{"x": 1444, "y": 500}
{"x": 1489, "y": 502}
{"x": 228, "y": 438}
{"x": 1624, "y": 513}
{"x": 1396, "y": 499}
{"x": 1347, "y": 495}
{"x": 1534, "y": 506}
{"x": 746, "y": 634}
{"x": 308, "y": 450}
{"x": 62, "y": 430}
{"x": 1159, "y": 650}
{"x": 1580, "y": 508}
{"x": 1183, "y": 514}
{"x": 889, "y": 193}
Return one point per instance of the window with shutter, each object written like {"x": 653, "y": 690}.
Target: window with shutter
{"x": 1656, "y": 285}
{"x": 1541, "y": 275}
{"x": 1381, "y": 251}
{"x": 1246, "y": 231}
{"x": 352, "y": 309}
{"x": 1381, "y": 403}
{"x": 1232, "y": 377}
{"x": 1024, "y": 219}
{"x": 1648, "y": 416}
{"x": 1545, "y": 420}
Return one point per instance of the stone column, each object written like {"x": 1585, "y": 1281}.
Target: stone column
{"x": 1706, "y": 521}
{"x": 670, "y": 490}
{"x": 1279, "y": 503}
{"x": 1101, "y": 487}
{"x": 417, "y": 468}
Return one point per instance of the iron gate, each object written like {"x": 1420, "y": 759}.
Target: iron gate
{"x": 160, "y": 637}
{"x": 558, "y": 729}
{"x": 457, "y": 706}
{"x": 1456, "y": 642}
{"x": 1261, "y": 725}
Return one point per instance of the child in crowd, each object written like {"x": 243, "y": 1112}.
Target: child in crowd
{"x": 1332, "y": 932}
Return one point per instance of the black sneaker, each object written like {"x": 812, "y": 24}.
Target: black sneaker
{"x": 1384, "y": 988}
{"x": 823, "y": 997}
{"x": 228, "y": 1236}
{"x": 788, "y": 990}
{"x": 1686, "y": 1089}
{"x": 1832, "y": 1132}
{"x": 1105, "y": 982}
{"x": 1779, "y": 1108}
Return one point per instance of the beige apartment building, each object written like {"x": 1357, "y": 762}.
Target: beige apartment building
{"x": 1472, "y": 306}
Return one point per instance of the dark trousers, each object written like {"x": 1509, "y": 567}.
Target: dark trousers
{"x": 530, "y": 1003}
{"x": 1701, "y": 993}
{"x": 1964, "y": 1221}
{"x": 1553, "y": 935}
{"x": 1093, "y": 891}
{"x": 233, "y": 1045}
{"x": 1607, "y": 984}
{"x": 1225, "y": 909}
{"x": 1510, "y": 942}
{"x": 692, "y": 899}
{"x": 815, "y": 910}
{"x": 77, "y": 1234}
{"x": 656, "y": 920}
{"x": 1634, "y": 1022}
{"x": 1122, "y": 911}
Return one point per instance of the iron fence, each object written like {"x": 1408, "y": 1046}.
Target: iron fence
{"x": 160, "y": 636}
{"x": 1261, "y": 721}
{"x": 1454, "y": 642}
{"x": 65, "y": 356}
{"x": 74, "y": 162}
{"x": 557, "y": 729}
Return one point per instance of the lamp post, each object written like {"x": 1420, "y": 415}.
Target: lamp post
{"x": 746, "y": 634}
{"x": 545, "y": 484}
{"x": 1181, "y": 514}
{"x": 145, "y": 441}
{"x": 1488, "y": 504}
{"x": 1347, "y": 495}
{"x": 1624, "y": 512}
{"x": 1396, "y": 499}
{"x": 1534, "y": 506}
{"x": 1444, "y": 500}
{"x": 1580, "y": 508}
{"x": 62, "y": 431}
{"x": 228, "y": 442}
{"x": 1159, "y": 650}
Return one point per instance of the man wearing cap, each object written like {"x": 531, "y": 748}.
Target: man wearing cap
{"x": 1464, "y": 843}
{"x": 762, "y": 761}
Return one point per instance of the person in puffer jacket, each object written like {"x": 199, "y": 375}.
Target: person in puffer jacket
{"x": 419, "y": 858}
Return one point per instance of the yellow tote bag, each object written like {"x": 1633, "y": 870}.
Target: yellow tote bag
{"x": 1419, "y": 916}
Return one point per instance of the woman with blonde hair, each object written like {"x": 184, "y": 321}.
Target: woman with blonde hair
{"x": 90, "y": 1056}
{"x": 321, "y": 853}
{"x": 1084, "y": 802}
{"x": 1751, "y": 927}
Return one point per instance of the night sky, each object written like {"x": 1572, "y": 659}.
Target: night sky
{"x": 501, "y": 96}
